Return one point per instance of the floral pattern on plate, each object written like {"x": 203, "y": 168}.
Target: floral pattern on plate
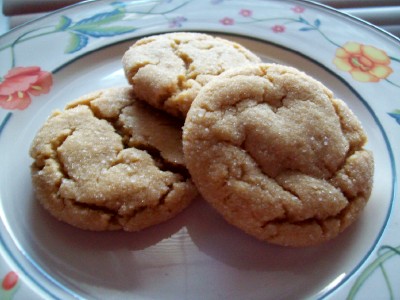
{"x": 9, "y": 286}
{"x": 365, "y": 63}
{"x": 20, "y": 84}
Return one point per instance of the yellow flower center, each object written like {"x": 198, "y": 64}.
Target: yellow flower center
{"x": 36, "y": 87}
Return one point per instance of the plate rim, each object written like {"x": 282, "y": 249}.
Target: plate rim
{"x": 388, "y": 144}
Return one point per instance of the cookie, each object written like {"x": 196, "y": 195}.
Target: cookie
{"x": 168, "y": 70}
{"x": 109, "y": 162}
{"x": 278, "y": 155}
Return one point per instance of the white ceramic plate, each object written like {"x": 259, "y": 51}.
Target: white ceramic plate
{"x": 197, "y": 255}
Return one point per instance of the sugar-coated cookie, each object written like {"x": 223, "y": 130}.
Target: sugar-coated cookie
{"x": 278, "y": 155}
{"x": 109, "y": 162}
{"x": 168, "y": 70}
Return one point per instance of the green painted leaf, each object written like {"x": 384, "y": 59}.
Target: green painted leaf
{"x": 96, "y": 31}
{"x": 101, "y": 19}
{"x": 76, "y": 42}
{"x": 396, "y": 111}
{"x": 371, "y": 269}
{"x": 100, "y": 25}
{"x": 306, "y": 28}
{"x": 63, "y": 23}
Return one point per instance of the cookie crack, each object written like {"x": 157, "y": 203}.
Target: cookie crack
{"x": 114, "y": 216}
{"x": 111, "y": 212}
{"x": 352, "y": 149}
{"x": 161, "y": 201}
{"x": 163, "y": 164}
{"x": 285, "y": 216}
{"x": 140, "y": 209}
{"x": 95, "y": 207}
{"x": 320, "y": 223}
{"x": 187, "y": 62}
{"x": 350, "y": 197}
{"x": 134, "y": 70}
{"x": 245, "y": 53}
{"x": 313, "y": 220}
{"x": 160, "y": 162}
{"x": 111, "y": 120}
{"x": 115, "y": 123}
{"x": 55, "y": 147}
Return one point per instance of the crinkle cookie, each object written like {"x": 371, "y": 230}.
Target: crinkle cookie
{"x": 168, "y": 70}
{"x": 108, "y": 162}
{"x": 277, "y": 155}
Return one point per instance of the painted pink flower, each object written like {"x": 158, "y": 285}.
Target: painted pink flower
{"x": 10, "y": 280}
{"x": 227, "y": 21}
{"x": 20, "y": 84}
{"x": 278, "y": 28}
{"x": 298, "y": 9}
{"x": 246, "y": 12}
{"x": 177, "y": 22}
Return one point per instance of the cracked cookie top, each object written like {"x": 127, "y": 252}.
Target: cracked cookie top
{"x": 168, "y": 70}
{"x": 109, "y": 162}
{"x": 278, "y": 155}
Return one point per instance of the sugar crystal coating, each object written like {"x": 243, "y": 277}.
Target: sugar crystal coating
{"x": 277, "y": 155}
{"x": 109, "y": 162}
{"x": 168, "y": 70}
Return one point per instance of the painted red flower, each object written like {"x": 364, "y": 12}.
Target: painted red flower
{"x": 20, "y": 84}
{"x": 246, "y": 12}
{"x": 10, "y": 280}
{"x": 227, "y": 21}
{"x": 278, "y": 28}
{"x": 298, "y": 9}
